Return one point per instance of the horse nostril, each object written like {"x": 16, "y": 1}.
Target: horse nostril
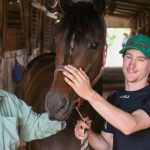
{"x": 64, "y": 105}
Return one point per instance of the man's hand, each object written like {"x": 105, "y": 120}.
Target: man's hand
{"x": 79, "y": 81}
{"x": 82, "y": 128}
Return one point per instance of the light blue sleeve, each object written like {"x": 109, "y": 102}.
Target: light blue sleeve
{"x": 35, "y": 126}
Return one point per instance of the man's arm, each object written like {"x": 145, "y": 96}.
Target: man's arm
{"x": 125, "y": 122}
{"x": 103, "y": 141}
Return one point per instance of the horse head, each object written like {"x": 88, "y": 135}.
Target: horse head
{"x": 80, "y": 41}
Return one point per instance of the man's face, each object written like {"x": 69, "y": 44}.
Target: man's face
{"x": 136, "y": 66}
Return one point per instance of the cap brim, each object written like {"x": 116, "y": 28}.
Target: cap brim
{"x": 122, "y": 51}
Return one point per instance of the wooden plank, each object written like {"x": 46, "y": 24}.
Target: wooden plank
{"x": 126, "y": 11}
{"x": 13, "y": 34}
{"x": 1, "y": 27}
{"x": 134, "y": 2}
{"x": 24, "y": 7}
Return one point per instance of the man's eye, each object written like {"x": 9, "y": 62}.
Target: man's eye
{"x": 128, "y": 56}
{"x": 94, "y": 45}
{"x": 141, "y": 59}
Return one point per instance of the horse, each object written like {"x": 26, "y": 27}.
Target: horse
{"x": 80, "y": 41}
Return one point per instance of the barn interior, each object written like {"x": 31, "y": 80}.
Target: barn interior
{"x": 27, "y": 30}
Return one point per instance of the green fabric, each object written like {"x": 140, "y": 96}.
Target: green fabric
{"x": 18, "y": 121}
{"x": 139, "y": 42}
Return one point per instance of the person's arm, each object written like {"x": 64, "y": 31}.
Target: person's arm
{"x": 35, "y": 126}
{"x": 103, "y": 141}
{"x": 125, "y": 122}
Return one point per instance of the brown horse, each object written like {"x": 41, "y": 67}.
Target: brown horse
{"x": 80, "y": 41}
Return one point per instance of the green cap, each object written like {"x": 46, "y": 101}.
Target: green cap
{"x": 139, "y": 42}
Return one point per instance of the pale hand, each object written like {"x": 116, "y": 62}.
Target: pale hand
{"x": 79, "y": 81}
{"x": 80, "y": 127}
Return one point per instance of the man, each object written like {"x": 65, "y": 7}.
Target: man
{"x": 127, "y": 112}
{"x": 18, "y": 121}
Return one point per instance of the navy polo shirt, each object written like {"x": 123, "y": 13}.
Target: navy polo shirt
{"x": 130, "y": 101}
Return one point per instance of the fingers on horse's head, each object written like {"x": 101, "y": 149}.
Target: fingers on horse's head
{"x": 98, "y": 4}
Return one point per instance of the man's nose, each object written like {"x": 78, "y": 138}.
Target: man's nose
{"x": 132, "y": 63}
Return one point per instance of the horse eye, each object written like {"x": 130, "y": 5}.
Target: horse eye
{"x": 94, "y": 45}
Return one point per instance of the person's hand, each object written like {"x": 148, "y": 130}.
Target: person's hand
{"x": 79, "y": 81}
{"x": 81, "y": 128}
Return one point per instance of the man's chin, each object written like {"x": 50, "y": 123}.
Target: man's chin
{"x": 131, "y": 80}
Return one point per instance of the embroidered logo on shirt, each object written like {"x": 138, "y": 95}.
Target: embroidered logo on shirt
{"x": 125, "y": 96}
{"x": 105, "y": 125}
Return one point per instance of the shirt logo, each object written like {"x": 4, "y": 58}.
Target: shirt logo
{"x": 105, "y": 125}
{"x": 125, "y": 96}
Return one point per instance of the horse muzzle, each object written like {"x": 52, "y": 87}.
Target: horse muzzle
{"x": 57, "y": 106}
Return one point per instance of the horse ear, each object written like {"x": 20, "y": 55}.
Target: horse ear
{"x": 100, "y": 5}
{"x": 65, "y": 4}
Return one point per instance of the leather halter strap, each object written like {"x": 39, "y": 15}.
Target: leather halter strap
{"x": 60, "y": 68}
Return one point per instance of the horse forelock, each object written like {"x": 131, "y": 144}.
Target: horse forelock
{"x": 82, "y": 20}
{"x": 82, "y": 26}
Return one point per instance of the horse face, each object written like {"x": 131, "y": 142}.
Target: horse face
{"x": 80, "y": 42}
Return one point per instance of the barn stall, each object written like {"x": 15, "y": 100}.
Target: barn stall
{"x": 27, "y": 30}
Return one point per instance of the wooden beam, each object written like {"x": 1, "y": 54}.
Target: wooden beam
{"x": 125, "y": 11}
{"x": 126, "y": 7}
{"x": 118, "y": 14}
{"x": 134, "y": 3}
